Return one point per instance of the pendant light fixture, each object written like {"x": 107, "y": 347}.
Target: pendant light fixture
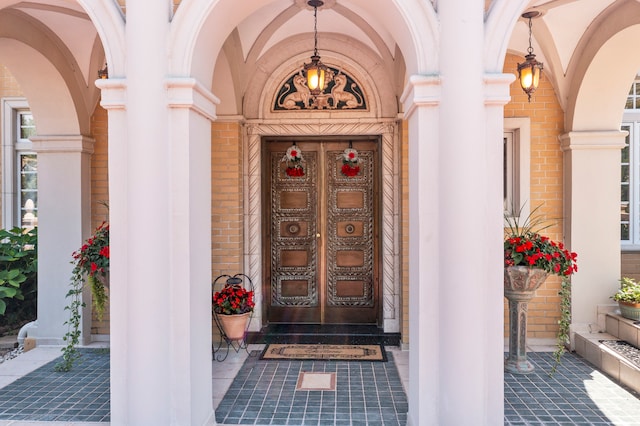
{"x": 529, "y": 71}
{"x": 316, "y": 70}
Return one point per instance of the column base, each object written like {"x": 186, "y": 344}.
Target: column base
{"x": 522, "y": 366}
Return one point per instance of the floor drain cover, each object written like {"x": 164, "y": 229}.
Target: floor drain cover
{"x": 626, "y": 350}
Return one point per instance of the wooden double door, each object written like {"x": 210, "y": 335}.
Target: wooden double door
{"x": 321, "y": 237}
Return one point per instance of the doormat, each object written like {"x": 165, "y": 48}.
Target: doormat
{"x": 284, "y": 351}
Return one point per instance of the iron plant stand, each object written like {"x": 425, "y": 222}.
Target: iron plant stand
{"x": 237, "y": 345}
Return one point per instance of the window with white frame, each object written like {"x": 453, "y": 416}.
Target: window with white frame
{"x": 516, "y": 168}
{"x": 19, "y": 165}
{"x": 630, "y": 172}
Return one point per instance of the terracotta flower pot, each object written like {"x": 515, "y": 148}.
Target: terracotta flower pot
{"x": 234, "y": 326}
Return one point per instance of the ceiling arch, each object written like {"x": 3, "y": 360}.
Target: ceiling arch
{"x": 591, "y": 78}
{"x": 200, "y": 27}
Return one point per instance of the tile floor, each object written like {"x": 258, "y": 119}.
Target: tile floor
{"x": 577, "y": 395}
{"x": 81, "y": 394}
{"x": 264, "y": 393}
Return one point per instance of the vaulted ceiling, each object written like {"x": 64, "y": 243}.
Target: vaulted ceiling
{"x": 559, "y": 35}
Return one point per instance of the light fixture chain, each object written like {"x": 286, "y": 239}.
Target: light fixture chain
{"x": 315, "y": 30}
{"x": 530, "y": 49}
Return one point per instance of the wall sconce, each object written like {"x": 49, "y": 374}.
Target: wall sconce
{"x": 103, "y": 73}
{"x": 315, "y": 71}
{"x": 529, "y": 70}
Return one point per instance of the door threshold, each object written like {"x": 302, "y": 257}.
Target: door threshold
{"x": 334, "y": 334}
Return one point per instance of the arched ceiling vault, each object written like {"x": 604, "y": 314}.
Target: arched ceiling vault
{"x": 587, "y": 50}
{"x": 57, "y": 39}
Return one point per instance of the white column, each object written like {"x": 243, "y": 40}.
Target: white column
{"x": 421, "y": 98}
{"x": 470, "y": 224}
{"x": 192, "y": 108}
{"x": 592, "y": 219}
{"x": 141, "y": 228}
{"x": 64, "y": 221}
{"x": 456, "y": 227}
{"x": 496, "y": 96}
{"x": 113, "y": 99}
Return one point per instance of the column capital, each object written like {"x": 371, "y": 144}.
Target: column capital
{"x": 593, "y": 139}
{"x": 421, "y": 90}
{"x": 62, "y": 143}
{"x": 187, "y": 92}
{"x": 496, "y": 88}
{"x": 113, "y": 93}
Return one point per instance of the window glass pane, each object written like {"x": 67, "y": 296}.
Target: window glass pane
{"x": 624, "y": 212}
{"x": 624, "y": 231}
{"x": 28, "y": 189}
{"x": 504, "y": 171}
{"x": 625, "y": 173}
{"x": 625, "y": 155}
{"x": 636, "y": 86}
{"x": 624, "y": 192}
{"x": 629, "y": 104}
{"x": 27, "y": 125}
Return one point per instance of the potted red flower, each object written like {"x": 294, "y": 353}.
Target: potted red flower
{"x": 92, "y": 261}
{"x": 233, "y": 306}
{"x": 529, "y": 258}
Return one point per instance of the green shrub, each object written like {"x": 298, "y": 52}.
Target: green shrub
{"x": 18, "y": 275}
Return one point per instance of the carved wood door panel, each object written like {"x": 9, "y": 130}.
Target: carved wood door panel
{"x": 321, "y": 235}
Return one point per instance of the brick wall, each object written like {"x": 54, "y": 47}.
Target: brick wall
{"x": 546, "y": 187}
{"x": 99, "y": 193}
{"x": 404, "y": 239}
{"x": 226, "y": 199}
{"x": 226, "y": 203}
{"x": 630, "y": 265}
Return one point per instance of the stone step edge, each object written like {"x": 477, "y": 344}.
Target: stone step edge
{"x": 614, "y": 365}
{"x": 623, "y": 328}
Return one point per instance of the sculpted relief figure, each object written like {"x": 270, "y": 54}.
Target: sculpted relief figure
{"x": 340, "y": 95}
{"x": 302, "y": 94}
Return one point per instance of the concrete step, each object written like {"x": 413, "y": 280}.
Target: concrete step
{"x": 622, "y": 366}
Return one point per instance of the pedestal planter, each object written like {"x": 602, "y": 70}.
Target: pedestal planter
{"x": 520, "y": 285}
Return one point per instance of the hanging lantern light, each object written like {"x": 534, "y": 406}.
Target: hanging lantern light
{"x": 529, "y": 71}
{"x": 316, "y": 70}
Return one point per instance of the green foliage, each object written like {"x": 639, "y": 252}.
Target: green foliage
{"x": 564, "y": 323}
{"x": 18, "y": 273}
{"x": 70, "y": 352}
{"x": 91, "y": 262}
{"x": 534, "y": 223}
{"x": 629, "y": 291}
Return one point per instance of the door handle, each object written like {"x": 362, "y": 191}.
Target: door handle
{"x": 318, "y": 235}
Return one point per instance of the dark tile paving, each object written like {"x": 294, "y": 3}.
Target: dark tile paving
{"x": 80, "y": 395}
{"x": 264, "y": 393}
{"x": 367, "y": 393}
{"x": 577, "y": 394}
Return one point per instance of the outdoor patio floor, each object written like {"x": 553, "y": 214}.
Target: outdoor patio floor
{"x": 32, "y": 393}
